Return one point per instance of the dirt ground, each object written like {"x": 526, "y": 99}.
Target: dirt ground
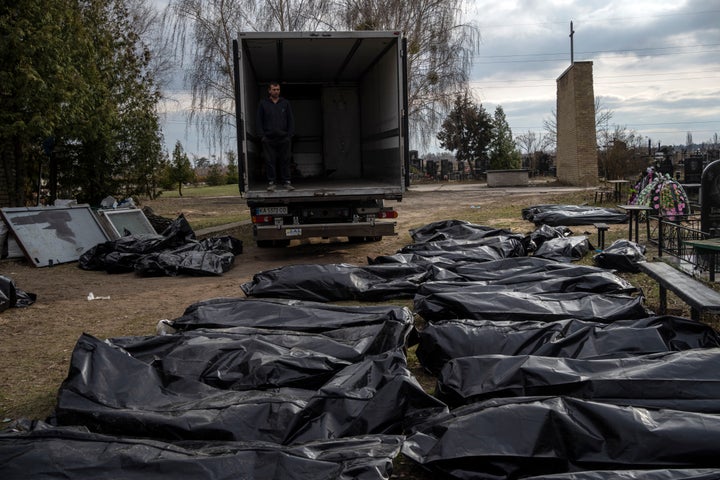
{"x": 36, "y": 342}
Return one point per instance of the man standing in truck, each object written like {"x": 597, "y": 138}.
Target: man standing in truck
{"x": 277, "y": 127}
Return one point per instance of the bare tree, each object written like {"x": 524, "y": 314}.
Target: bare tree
{"x": 439, "y": 52}
{"x": 603, "y": 115}
{"x": 203, "y": 31}
{"x": 530, "y": 144}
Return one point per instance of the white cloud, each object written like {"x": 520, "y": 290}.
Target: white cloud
{"x": 655, "y": 63}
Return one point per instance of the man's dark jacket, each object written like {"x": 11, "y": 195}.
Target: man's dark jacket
{"x": 275, "y": 120}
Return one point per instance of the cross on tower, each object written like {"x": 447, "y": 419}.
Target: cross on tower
{"x": 572, "y": 53}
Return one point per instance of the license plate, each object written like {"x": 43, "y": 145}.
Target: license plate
{"x": 293, "y": 232}
{"x": 271, "y": 210}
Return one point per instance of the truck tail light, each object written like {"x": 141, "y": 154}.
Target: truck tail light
{"x": 388, "y": 214}
{"x": 262, "y": 219}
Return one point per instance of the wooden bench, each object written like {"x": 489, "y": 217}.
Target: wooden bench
{"x": 697, "y": 295}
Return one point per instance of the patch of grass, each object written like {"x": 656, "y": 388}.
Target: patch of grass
{"x": 204, "y": 191}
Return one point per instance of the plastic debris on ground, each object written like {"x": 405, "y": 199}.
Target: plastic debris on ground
{"x": 13, "y": 297}
{"x": 174, "y": 252}
{"x": 564, "y": 249}
{"x": 623, "y": 256}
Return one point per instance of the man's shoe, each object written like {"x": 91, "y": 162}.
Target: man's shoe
{"x": 271, "y": 187}
{"x": 289, "y": 187}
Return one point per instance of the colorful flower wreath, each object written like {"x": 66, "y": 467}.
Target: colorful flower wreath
{"x": 664, "y": 194}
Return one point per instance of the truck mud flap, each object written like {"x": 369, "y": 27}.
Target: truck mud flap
{"x": 290, "y": 232}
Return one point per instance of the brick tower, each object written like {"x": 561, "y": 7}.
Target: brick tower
{"x": 577, "y": 161}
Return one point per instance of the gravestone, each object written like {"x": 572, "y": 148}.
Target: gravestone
{"x": 693, "y": 167}
{"x": 710, "y": 199}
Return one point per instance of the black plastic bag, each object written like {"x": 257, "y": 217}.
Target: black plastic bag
{"x": 248, "y": 358}
{"x": 300, "y": 316}
{"x": 454, "y": 229}
{"x": 684, "y": 380}
{"x": 662, "y": 474}
{"x": 520, "y": 306}
{"x": 442, "y": 341}
{"x": 8, "y": 293}
{"x": 109, "y": 391}
{"x": 188, "y": 262}
{"x": 564, "y": 249}
{"x": 174, "y": 252}
{"x": 517, "y": 438}
{"x": 622, "y": 255}
{"x": 581, "y": 279}
{"x": 74, "y": 453}
{"x": 568, "y": 215}
{"x": 544, "y": 233}
{"x": 334, "y": 282}
{"x": 377, "y": 395}
{"x": 492, "y": 247}
{"x": 13, "y": 297}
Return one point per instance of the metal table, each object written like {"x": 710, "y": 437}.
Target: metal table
{"x": 634, "y": 212}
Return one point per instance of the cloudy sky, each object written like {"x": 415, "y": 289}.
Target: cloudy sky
{"x": 656, "y": 64}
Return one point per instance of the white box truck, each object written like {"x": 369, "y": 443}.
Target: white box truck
{"x": 348, "y": 93}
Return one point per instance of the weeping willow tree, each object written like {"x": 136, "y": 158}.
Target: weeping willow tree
{"x": 440, "y": 49}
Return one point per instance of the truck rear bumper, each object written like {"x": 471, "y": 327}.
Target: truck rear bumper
{"x": 290, "y": 232}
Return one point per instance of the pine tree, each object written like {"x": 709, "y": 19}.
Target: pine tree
{"x": 503, "y": 152}
{"x": 467, "y": 130}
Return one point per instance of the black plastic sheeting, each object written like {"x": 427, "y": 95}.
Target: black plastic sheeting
{"x": 448, "y": 247}
{"x": 622, "y": 255}
{"x": 40, "y": 451}
{"x": 568, "y": 215}
{"x": 13, "y": 297}
{"x": 322, "y": 390}
{"x": 333, "y": 282}
{"x": 454, "y": 229}
{"x": 109, "y": 391}
{"x": 663, "y": 474}
{"x": 491, "y": 247}
{"x": 445, "y": 340}
{"x": 532, "y": 274}
{"x": 684, "y": 380}
{"x": 544, "y": 233}
{"x": 595, "y": 282}
{"x": 393, "y": 322}
{"x": 290, "y": 378}
{"x": 520, "y": 306}
{"x": 173, "y": 252}
{"x": 522, "y": 437}
{"x": 564, "y": 249}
